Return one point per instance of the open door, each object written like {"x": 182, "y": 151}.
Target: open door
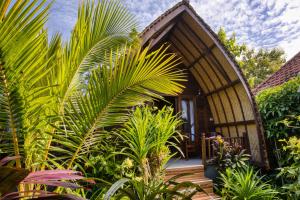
{"x": 187, "y": 107}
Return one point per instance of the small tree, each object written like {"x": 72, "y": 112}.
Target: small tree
{"x": 256, "y": 65}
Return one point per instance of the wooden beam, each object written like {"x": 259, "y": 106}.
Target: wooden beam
{"x": 233, "y": 83}
{"x": 183, "y": 45}
{"x": 159, "y": 24}
{"x": 160, "y": 36}
{"x": 206, "y": 52}
{"x": 247, "y": 122}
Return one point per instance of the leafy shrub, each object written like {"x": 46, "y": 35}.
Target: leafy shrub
{"x": 291, "y": 170}
{"x": 241, "y": 184}
{"x": 227, "y": 155}
{"x": 148, "y": 136}
{"x": 107, "y": 165}
{"x": 276, "y": 105}
{"x": 134, "y": 189}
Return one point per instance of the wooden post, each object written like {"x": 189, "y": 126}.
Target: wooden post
{"x": 246, "y": 142}
{"x": 209, "y": 148}
{"x": 203, "y": 146}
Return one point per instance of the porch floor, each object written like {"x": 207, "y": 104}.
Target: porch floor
{"x": 178, "y": 163}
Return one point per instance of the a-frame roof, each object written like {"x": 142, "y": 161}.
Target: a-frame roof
{"x": 218, "y": 75}
{"x": 289, "y": 70}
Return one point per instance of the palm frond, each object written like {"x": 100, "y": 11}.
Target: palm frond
{"x": 22, "y": 53}
{"x": 131, "y": 79}
{"x": 100, "y": 28}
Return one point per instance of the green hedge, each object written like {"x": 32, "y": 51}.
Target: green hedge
{"x": 280, "y": 109}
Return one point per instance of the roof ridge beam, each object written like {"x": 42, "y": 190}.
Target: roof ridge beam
{"x": 231, "y": 84}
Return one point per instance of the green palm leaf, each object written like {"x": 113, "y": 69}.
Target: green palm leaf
{"x": 100, "y": 28}
{"x": 131, "y": 79}
{"x": 22, "y": 65}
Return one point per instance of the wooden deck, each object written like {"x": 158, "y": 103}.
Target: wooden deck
{"x": 196, "y": 177}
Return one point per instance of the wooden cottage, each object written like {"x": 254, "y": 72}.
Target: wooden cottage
{"x": 217, "y": 97}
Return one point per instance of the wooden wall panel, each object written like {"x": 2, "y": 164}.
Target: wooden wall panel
{"x": 213, "y": 110}
{"x": 210, "y": 73}
{"x": 205, "y": 77}
{"x": 247, "y": 108}
{"x": 234, "y": 100}
{"x": 219, "y": 108}
{"x": 199, "y": 80}
{"x": 254, "y": 142}
{"x": 233, "y": 132}
{"x": 217, "y": 68}
{"x": 182, "y": 49}
{"x": 225, "y": 132}
{"x": 241, "y": 129}
{"x": 187, "y": 42}
{"x": 227, "y": 106}
{"x": 226, "y": 66}
{"x": 192, "y": 36}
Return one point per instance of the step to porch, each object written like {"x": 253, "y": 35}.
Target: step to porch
{"x": 197, "y": 176}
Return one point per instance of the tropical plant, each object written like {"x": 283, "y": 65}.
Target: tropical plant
{"x": 279, "y": 108}
{"x": 106, "y": 163}
{"x": 148, "y": 136}
{"x": 11, "y": 178}
{"x": 56, "y": 98}
{"x": 279, "y": 104}
{"x": 110, "y": 92}
{"x": 241, "y": 184}
{"x": 228, "y": 156}
{"x": 38, "y": 79}
{"x": 290, "y": 172}
{"x": 134, "y": 189}
{"x": 107, "y": 166}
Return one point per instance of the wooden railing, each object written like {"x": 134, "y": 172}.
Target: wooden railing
{"x": 207, "y": 145}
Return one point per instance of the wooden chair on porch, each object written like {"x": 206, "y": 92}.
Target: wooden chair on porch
{"x": 189, "y": 146}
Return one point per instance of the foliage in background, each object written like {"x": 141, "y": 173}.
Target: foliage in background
{"x": 280, "y": 109}
{"x": 256, "y": 65}
{"x": 228, "y": 156}
{"x": 290, "y": 172}
{"x": 245, "y": 183}
{"x": 107, "y": 165}
{"x": 148, "y": 136}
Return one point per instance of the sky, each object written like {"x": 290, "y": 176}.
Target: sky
{"x": 257, "y": 23}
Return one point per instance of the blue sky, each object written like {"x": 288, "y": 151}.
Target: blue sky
{"x": 258, "y": 23}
